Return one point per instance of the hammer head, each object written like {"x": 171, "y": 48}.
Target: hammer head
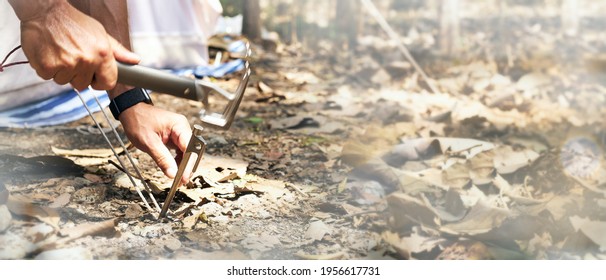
{"x": 192, "y": 89}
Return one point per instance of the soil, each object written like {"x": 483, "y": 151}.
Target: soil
{"x": 256, "y": 225}
{"x": 342, "y": 152}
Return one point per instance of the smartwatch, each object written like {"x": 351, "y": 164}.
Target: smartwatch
{"x": 128, "y": 99}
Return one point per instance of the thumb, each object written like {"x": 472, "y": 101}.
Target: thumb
{"x": 122, "y": 54}
{"x": 180, "y": 136}
{"x": 181, "y": 133}
{"x": 162, "y": 156}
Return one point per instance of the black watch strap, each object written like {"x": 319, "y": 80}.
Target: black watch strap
{"x": 128, "y": 99}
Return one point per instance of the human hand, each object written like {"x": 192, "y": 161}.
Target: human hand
{"x": 65, "y": 45}
{"x": 155, "y": 131}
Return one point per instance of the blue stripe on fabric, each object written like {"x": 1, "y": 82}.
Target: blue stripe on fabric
{"x": 67, "y": 107}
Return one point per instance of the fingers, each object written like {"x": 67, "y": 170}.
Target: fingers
{"x": 155, "y": 132}
{"x": 122, "y": 54}
{"x": 162, "y": 156}
{"x": 64, "y": 75}
{"x": 79, "y": 74}
{"x": 43, "y": 69}
{"x": 81, "y": 56}
{"x": 180, "y": 132}
{"x": 106, "y": 76}
{"x": 84, "y": 76}
{"x": 106, "y": 73}
{"x": 99, "y": 71}
{"x": 179, "y": 136}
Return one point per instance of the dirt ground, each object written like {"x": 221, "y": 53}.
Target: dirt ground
{"x": 284, "y": 205}
{"x": 348, "y": 154}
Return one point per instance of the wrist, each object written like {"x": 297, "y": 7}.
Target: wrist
{"x": 125, "y": 101}
{"x": 31, "y": 9}
{"x": 119, "y": 89}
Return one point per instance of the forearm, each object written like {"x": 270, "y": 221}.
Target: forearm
{"x": 29, "y": 9}
{"x": 113, "y": 15}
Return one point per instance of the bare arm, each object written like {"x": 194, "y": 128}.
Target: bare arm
{"x": 151, "y": 129}
{"x": 29, "y": 9}
{"x": 74, "y": 43}
{"x": 68, "y": 46}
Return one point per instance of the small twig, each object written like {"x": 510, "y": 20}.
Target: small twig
{"x": 297, "y": 189}
{"x": 364, "y": 213}
{"x": 372, "y": 9}
{"x": 231, "y": 176}
{"x": 466, "y": 149}
{"x": 123, "y": 170}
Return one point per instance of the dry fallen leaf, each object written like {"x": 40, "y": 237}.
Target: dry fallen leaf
{"x": 22, "y": 206}
{"x": 86, "y": 229}
{"x": 594, "y": 230}
{"x": 465, "y": 148}
{"x": 317, "y": 230}
{"x": 60, "y": 201}
{"x": 5, "y": 218}
{"x": 507, "y": 161}
{"x": 518, "y": 193}
{"x": 228, "y": 177}
{"x": 264, "y": 88}
{"x": 377, "y": 169}
{"x": 413, "y": 149}
{"x": 356, "y": 153}
{"x": 466, "y": 250}
{"x": 453, "y": 205}
{"x": 407, "y": 210}
{"x": 215, "y": 168}
{"x": 351, "y": 210}
{"x": 482, "y": 168}
{"x": 366, "y": 192}
{"x": 457, "y": 149}
{"x": 457, "y": 176}
{"x": 70, "y": 234}
{"x": 94, "y": 153}
{"x": 559, "y": 206}
{"x": 481, "y": 219}
{"x": 394, "y": 241}
{"x": 95, "y": 178}
{"x": 532, "y": 81}
{"x": 333, "y": 256}
{"x": 413, "y": 244}
{"x": 274, "y": 188}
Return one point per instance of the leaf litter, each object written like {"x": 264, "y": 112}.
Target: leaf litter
{"x": 349, "y": 160}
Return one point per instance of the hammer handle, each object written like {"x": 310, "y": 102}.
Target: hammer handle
{"x": 157, "y": 80}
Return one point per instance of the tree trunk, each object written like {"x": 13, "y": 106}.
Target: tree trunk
{"x": 251, "y": 24}
{"x": 346, "y": 21}
{"x": 570, "y": 17}
{"x": 449, "y": 26}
